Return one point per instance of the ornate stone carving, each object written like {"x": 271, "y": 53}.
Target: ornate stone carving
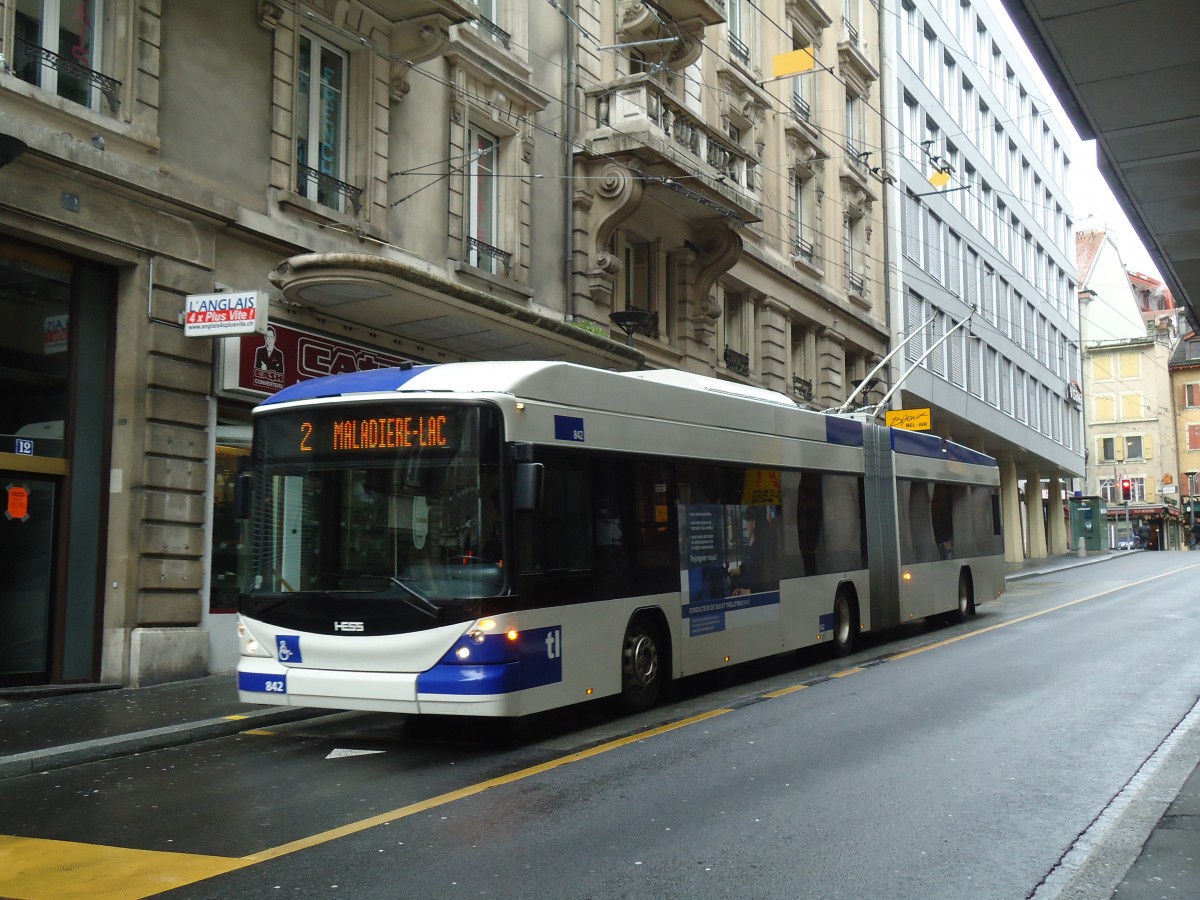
{"x": 269, "y": 14}
{"x": 618, "y": 194}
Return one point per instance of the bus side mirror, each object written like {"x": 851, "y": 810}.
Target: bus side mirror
{"x": 528, "y": 478}
{"x": 241, "y": 495}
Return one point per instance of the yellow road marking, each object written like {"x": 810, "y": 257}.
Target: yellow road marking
{"x": 787, "y": 690}
{"x": 235, "y": 718}
{"x": 36, "y": 869}
{"x": 845, "y": 672}
{"x": 261, "y": 731}
{"x": 472, "y": 790}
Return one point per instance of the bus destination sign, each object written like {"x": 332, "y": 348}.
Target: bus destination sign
{"x": 374, "y": 433}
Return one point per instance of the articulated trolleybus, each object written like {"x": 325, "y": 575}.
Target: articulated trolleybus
{"x": 498, "y": 539}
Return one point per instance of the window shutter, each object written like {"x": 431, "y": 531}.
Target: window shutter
{"x": 1145, "y": 446}
{"x": 1149, "y": 489}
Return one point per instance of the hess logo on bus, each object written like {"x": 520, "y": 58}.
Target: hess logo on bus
{"x": 348, "y": 626}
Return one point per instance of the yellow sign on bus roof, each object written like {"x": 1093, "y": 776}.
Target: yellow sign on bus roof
{"x": 910, "y": 419}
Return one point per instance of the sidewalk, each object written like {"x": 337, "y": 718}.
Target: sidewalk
{"x": 51, "y": 728}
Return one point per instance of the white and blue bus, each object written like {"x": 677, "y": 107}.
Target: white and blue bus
{"x": 499, "y": 539}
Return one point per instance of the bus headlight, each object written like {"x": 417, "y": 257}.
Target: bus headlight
{"x": 249, "y": 644}
{"x": 463, "y": 652}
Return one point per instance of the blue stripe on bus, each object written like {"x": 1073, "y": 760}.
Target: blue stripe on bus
{"x": 843, "y": 431}
{"x": 368, "y": 381}
{"x": 917, "y": 443}
{"x": 538, "y": 663}
{"x": 731, "y": 604}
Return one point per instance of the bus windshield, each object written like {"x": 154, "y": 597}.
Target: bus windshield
{"x": 399, "y": 500}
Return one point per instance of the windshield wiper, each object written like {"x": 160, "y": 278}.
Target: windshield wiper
{"x": 419, "y": 601}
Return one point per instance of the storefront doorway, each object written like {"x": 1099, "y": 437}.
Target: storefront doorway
{"x": 55, "y": 361}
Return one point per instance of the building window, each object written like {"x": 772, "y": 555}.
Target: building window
{"x": 321, "y": 125}
{"x": 58, "y": 47}
{"x": 738, "y": 29}
{"x": 1109, "y": 490}
{"x": 1106, "y": 450}
{"x": 804, "y": 197}
{"x": 1134, "y": 448}
{"x": 641, "y": 281}
{"x": 1194, "y": 437}
{"x": 1137, "y": 489}
{"x": 483, "y": 194}
{"x": 854, "y": 129}
{"x": 1191, "y": 395}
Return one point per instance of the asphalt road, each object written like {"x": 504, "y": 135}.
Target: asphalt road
{"x": 946, "y": 763}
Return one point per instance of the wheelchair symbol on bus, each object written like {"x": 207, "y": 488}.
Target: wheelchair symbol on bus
{"x": 285, "y": 652}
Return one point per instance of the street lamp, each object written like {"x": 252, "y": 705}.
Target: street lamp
{"x": 629, "y": 321}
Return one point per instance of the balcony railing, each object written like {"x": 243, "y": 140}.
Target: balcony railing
{"x": 857, "y": 157}
{"x": 477, "y": 248}
{"x": 630, "y": 107}
{"x": 738, "y": 363}
{"x": 495, "y": 31}
{"x": 739, "y": 49}
{"x": 801, "y": 108}
{"x": 30, "y": 57}
{"x": 328, "y": 188}
{"x": 858, "y": 285}
{"x": 851, "y": 31}
{"x": 805, "y": 250}
{"x": 802, "y": 387}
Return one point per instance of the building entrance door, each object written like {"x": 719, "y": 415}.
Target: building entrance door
{"x": 27, "y": 534}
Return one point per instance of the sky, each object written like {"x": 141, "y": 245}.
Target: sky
{"x": 1090, "y": 196}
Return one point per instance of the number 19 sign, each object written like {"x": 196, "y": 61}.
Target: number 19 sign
{"x": 219, "y": 315}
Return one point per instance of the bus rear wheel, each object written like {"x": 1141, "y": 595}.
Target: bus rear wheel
{"x": 641, "y": 667}
{"x": 845, "y": 625}
{"x": 966, "y": 600}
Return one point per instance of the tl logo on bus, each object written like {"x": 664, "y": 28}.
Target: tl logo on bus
{"x": 554, "y": 644}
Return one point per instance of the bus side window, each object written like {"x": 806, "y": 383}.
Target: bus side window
{"x": 941, "y": 513}
{"x": 611, "y": 511}
{"x": 555, "y": 537}
{"x": 810, "y": 519}
{"x": 654, "y": 547}
{"x": 920, "y": 523}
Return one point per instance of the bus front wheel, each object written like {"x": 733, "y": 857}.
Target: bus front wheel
{"x": 641, "y": 667}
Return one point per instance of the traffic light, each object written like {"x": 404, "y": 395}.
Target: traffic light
{"x": 1126, "y": 489}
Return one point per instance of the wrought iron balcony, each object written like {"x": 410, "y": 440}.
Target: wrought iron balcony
{"x": 802, "y": 387}
{"x": 477, "y": 248}
{"x": 801, "y": 108}
{"x": 856, "y": 157}
{"x": 30, "y": 58}
{"x": 738, "y": 363}
{"x": 851, "y": 32}
{"x": 858, "y": 286}
{"x": 328, "y": 188}
{"x": 739, "y": 49}
{"x": 495, "y": 31}
{"x": 805, "y": 250}
{"x": 636, "y": 117}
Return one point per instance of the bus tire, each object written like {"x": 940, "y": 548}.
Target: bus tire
{"x": 641, "y": 665}
{"x": 845, "y": 623}
{"x": 966, "y": 600}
